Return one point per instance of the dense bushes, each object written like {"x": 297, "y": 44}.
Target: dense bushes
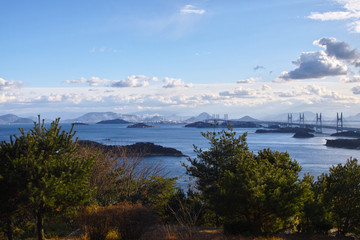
{"x": 130, "y": 221}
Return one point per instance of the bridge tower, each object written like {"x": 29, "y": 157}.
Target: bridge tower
{"x": 318, "y": 127}
{"x": 339, "y": 123}
{"x": 302, "y": 120}
{"x": 289, "y": 119}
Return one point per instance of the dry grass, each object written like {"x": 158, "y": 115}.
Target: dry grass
{"x": 170, "y": 232}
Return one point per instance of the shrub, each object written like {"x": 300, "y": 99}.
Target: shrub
{"x": 97, "y": 221}
{"x": 133, "y": 220}
{"x": 130, "y": 221}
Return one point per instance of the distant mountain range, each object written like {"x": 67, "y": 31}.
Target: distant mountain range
{"x": 201, "y": 117}
{"x": 11, "y": 118}
{"x": 95, "y": 117}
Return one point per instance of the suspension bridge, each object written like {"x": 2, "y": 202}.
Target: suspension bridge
{"x": 318, "y": 124}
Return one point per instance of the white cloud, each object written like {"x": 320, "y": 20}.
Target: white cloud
{"x": 134, "y": 81}
{"x": 191, "y": 9}
{"x": 314, "y": 65}
{"x": 175, "y": 83}
{"x": 96, "y": 81}
{"x": 249, "y": 80}
{"x": 201, "y": 97}
{"x": 93, "y": 81}
{"x": 352, "y": 79}
{"x": 238, "y": 92}
{"x": 6, "y": 85}
{"x": 352, "y": 13}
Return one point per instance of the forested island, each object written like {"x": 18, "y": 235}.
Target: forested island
{"x": 140, "y": 125}
{"x": 344, "y": 143}
{"x": 143, "y": 149}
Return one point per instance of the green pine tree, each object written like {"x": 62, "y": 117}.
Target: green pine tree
{"x": 52, "y": 177}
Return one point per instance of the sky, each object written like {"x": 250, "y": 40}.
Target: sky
{"x": 64, "y": 58}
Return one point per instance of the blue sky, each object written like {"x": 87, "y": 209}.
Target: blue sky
{"x": 64, "y": 58}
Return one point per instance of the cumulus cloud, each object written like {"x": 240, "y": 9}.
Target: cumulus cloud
{"x": 351, "y": 12}
{"x": 191, "y": 9}
{"x": 313, "y": 93}
{"x": 249, "y": 80}
{"x": 352, "y": 79}
{"x": 356, "y": 90}
{"x": 238, "y": 92}
{"x": 134, "y": 81}
{"x": 314, "y": 65}
{"x": 6, "y": 85}
{"x": 93, "y": 81}
{"x": 175, "y": 83}
{"x": 339, "y": 50}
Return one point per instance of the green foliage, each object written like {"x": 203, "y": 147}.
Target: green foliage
{"x": 342, "y": 194}
{"x": 47, "y": 175}
{"x": 210, "y": 166}
{"x": 258, "y": 193}
{"x": 315, "y": 216}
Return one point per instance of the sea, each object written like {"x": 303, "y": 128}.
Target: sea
{"x": 311, "y": 153}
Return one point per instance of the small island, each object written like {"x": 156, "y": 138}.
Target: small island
{"x": 80, "y": 123}
{"x": 142, "y": 149}
{"x": 113, "y": 121}
{"x": 302, "y": 134}
{"x": 351, "y": 134}
{"x": 344, "y": 143}
{"x": 200, "y": 124}
{"x": 140, "y": 125}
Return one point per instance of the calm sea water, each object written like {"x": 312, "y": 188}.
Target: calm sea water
{"x": 312, "y": 154}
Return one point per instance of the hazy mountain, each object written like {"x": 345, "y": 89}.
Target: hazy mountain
{"x": 201, "y": 117}
{"x": 23, "y": 120}
{"x": 94, "y": 117}
{"x": 354, "y": 118}
{"x": 166, "y": 115}
{"x": 11, "y": 118}
{"x": 156, "y": 118}
{"x": 247, "y": 119}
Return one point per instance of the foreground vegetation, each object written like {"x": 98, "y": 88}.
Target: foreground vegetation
{"x": 50, "y": 186}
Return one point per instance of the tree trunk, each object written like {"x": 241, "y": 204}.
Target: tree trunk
{"x": 9, "y": 229}
{"x": 40, "y": 225}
